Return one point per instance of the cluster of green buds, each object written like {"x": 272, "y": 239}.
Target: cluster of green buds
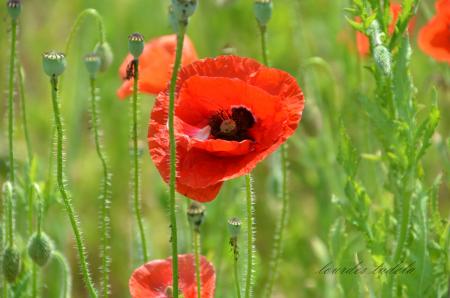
{"x": 263, "y": 11}
{"x": 40, "y": 249}
{"x": 54, "y": 63}
{"x": 196, "y": 215}
{"x": 14, "y": 8}
{"x": 234, "y": 228}
{"x": 381, "y": 54}
{"x": 180, "y": 11}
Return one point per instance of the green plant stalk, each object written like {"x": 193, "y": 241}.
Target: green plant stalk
{"x": 250, "y": 235}
{"x": 67, "y": 283}
{"x": 196, "y": 235}
{"x": 173, "y": 157}
{"x": 235, "y": 267}
{"x": 105, "y": 195}
{"x": 24, "y": 117}
{"x": 12, "y": 63}
{"x": 65, "y": 195}
{"x": 278, "y": 237}
{"x": 10, "y": 216}
{"x": 136, "y": 179}
{"x": 34, "y": 281}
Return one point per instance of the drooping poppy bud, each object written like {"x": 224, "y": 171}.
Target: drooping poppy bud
{"x": 11, "y": 264}
{"x": 54, "y": 63}
{"x": 93, "y": 64}
{"x": 104, "y": 51}
{"x": 196, "y": 214}
{"x": 40, "y": 249}
{"x": 136, "y": 44}
{"x": 263, "y": 11}
{"x": 14, "y": 8}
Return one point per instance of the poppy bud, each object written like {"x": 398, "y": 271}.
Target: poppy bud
{"x": 312, "y": 120}
{"x": 196, "y": 214}
{"x": 234, "y": 227}
{"x": 104, "y": 51}
{"x": 93, "y": 64}
{"x": 14, "y": 8}
{"x": 40, "y": 249}
{"x": 54, "y": 63}
{"x": 11, "y": 264}
{"x": 136, "y": 44}
{"x": 263, "y": 11}
{"x": 382, "y": 58}
{"x": 183, "y": 9}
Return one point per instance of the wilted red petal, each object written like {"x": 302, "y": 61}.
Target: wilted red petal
{"x": 211, "y": 85}
{"x": 152, "y": 279}
{"x": 155, "y": 65}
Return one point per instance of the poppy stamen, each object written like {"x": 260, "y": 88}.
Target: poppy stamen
{"x": 232, "y": 126}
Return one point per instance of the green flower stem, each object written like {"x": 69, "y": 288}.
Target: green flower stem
{"x": 196, "y": 235}
{"x": 12, "y": 63}
{"x": 7, "y": 193}
{"x": 136, "y": 179}
{"x": 278, "y": 237}
{"x": 233, "y": 241}
{"x": 34, "y": 280}
{"x": 105, "y": 195}
{"x": 67, "y": 282}
{"x": 173, "y": 157}
{"x": 250, "y": 235}
{"x": 24, "y": 116}
{"x": 65, "y": 195}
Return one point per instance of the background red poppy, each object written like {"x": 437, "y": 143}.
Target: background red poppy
{"x": 155, "y": 65}
{"x": 152, "y": 279}
{"x": 210, "y": 87}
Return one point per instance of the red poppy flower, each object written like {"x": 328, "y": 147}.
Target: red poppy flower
{"x": 155, "y": 65}
{"x": 231, "y": 112}
{"x": 154, "y": 279}
{"x": 362, "y": 41}
{"x": 434, "y": 37}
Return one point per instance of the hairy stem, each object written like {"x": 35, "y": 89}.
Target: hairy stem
{"x": 234, "y": 244}
{"x": 67, "y": 282}
{"x": 136, "y": 179}
{"x": 105, "y": 194}
{"x": 196, "y": 235}
{"x": 12, "y": 63}
{"x": 65, "y": 195}
{"x": 23, "y": 105}
{"x": 250, "y": 235}
{"x": 173, "y": 158}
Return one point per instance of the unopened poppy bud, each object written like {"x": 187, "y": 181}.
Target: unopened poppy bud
{"x": 104, "y": 51}
{"x": 14, "y": 8}
{"x": 11, "y": 264}
{"x": 93, "y": 64}
{"x": 40, "y": 249}
{"x": 183, "y": 9}
{"x": 136, "y": 44}
{"x": 382, "y": 58}
{"x": 263, "y": 11}
{"x": 234, "y": 227}
{"x": 54, "y": 63}
{"x": 196, "y": 214}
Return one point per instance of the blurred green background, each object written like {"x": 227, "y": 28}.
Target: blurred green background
{"x": 308, "y": 38}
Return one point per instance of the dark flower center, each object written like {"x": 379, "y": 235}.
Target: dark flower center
{"x": 232, "y": 126}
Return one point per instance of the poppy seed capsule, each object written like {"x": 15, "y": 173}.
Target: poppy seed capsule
{"x": 183, "y": 9}
{"x": 136, "y": 44}
{"x": 14, "y": 8}
{"x": 196, "y": 214}
{"x": 11, "y": 264}
{"x": 40, "y": 249}
{"x": 234, "y": 227}
{"x": 54, "y": 63}
{"x": 263, "y": 11}
{"x": 93, "y": 63}
{"x": 104, "y": 51}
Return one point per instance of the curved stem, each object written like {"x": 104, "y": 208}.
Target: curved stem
{"x": 12, "y": 63}
{"x": 250, "y": 235}
{"x": 173, "y": 158}
{"x": 136, "y": 179}
{"x": 105, "y": 194}
{"x": 24, "y": 116}
{"x": 65, "y": 195}
{"x": 67, "y": 283}
{"x": 196, "y": 235}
